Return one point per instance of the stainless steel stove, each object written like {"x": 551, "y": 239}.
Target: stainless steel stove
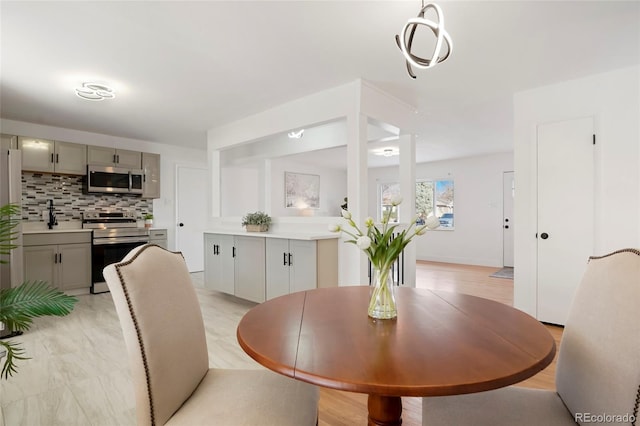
{"x": 115, "y": 233}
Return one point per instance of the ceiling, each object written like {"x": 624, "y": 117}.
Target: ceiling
{"x": 181, "y": 68}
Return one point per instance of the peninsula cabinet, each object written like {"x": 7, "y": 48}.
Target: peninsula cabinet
{"x": 219, "y": 263}
{"x": 43, "y": 155}
{"x": 230, "y": 265}
{"x": 62, "y": 259}
{"x": 105, "y": 156}
{"x": 298, "y": 265}
{"x": 259, "y": 268}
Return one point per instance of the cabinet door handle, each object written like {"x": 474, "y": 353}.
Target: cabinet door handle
{"x": 55, "y": 257}
{"x": 57, "y": 158}
{"x": 52, "y": 157}
{"x": 60, "y": 256}
{"x": 234, "y": 252}
{"x": 284, "y": 259}
{"x": 114, "y": 158}
{"x": 290, "y": 259}
{"x": 217, "y": 249}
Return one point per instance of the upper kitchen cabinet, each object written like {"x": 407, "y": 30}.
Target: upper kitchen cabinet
{"x": 43, "y": 155}
{"x": 8, "y": 141}
{"x": 104, "y": 156}
{"x": 151, "y": 170}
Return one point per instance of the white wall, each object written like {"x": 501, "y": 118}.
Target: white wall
{"x": 613, "y": 99}
{"x": 477, "y": 237}
{"x": 240, "y": 191}
{"x": 170, "y": 157}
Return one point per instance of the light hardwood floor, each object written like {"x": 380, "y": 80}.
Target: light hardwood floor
{"x": 78, "y": 372}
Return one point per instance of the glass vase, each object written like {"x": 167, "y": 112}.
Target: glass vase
{"x": 382, "y": 304}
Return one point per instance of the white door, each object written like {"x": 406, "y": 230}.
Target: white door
{"x": 191, "y": 214}
{"x": 565, "y": 213}
{"x": 508, "y": 194}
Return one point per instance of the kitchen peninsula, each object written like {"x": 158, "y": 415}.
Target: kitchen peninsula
{"x": 259, "y": 266}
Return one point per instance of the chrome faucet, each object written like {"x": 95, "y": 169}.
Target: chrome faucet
{"x": 52, "y": 216}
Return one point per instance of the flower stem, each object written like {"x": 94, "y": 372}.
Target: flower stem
{"x": 382, "y": 303}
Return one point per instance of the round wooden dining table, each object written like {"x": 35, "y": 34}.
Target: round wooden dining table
{"x": 441, "y": 343}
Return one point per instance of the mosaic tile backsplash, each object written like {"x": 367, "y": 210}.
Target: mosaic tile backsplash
{"x": 68, "y": 199}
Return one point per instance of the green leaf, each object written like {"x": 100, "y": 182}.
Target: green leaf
{"x": 14, "y": 353}
{"x": 19, "y": 305}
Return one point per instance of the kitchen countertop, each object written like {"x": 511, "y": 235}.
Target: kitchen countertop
{"x": 54, "y": 231}
{"x": 291, "y": 235}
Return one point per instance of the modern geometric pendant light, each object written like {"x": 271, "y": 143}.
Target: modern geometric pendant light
{"x": 405, "y": 39}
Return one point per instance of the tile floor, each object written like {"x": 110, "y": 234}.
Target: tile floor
{"x": 78, "y": 373}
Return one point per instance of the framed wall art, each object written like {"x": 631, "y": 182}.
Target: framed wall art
{"x": 302, "y": 191}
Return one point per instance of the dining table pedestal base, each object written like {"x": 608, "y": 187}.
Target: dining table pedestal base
{"x": 384, "y": 410}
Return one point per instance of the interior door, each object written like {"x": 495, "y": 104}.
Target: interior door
{"x": 508, "y": 194}
{"x": 191, "y": 215}
{"x": 565, "y": 213}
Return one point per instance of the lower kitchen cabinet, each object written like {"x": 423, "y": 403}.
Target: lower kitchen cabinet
{"x": 231, "y": 265}
{"x": 291, "y": 266}
{"x": 219, "y": 263}
{"x": 249, "y": 272}
{"x": 261, "y": 268}
{"x": 159, "y": 237}
{"x": 63, "y": 260}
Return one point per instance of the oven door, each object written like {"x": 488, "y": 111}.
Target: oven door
{"x": 103, "y": 254}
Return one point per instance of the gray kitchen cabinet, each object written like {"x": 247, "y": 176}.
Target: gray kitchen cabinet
{"x": 105, "y": 156}
{"x": 261, "y": 268}
{"x": 159, "y": 237}
{"x": 298, "y": 265}
{"x": 8, "y": 141}
{"x": 249, "y": 268}
{"x": 62, "y": 259}
{"x": 219, "y": 263}
{"x": 151, "y": 170}
{"x": 43, "y": 155}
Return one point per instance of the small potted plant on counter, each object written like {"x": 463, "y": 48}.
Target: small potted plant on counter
{"x": 256, "y": 222}
{"x": 148, "y": 220}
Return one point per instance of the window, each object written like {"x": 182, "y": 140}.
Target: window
{"x": 435, "y": 197}
{"x": 387, "y": 192}
{"x": 432, "y": 197}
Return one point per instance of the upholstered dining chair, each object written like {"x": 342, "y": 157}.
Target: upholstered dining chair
{"x": 598, "y": 369}
{"x": 164, "y": 334}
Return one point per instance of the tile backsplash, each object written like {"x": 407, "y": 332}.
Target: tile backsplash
{"x": 68, "y": 199}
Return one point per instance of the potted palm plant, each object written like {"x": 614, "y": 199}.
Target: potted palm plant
{"x": 256, "y": 222}
{"x": 21, "y": 304}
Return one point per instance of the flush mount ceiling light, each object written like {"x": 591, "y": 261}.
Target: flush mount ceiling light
{"x": 387, "y": 152}
{"x": 95, "y": 92}
{"x": 296, "y": 135}
{"x": 442, "y": 37}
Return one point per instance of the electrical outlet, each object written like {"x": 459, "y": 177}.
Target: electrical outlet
{"x": 45, "y": 215}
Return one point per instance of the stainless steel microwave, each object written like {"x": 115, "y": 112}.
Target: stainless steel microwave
{"x": 114, "y": 180}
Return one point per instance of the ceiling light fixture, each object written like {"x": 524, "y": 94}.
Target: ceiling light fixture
{"x": 387, "y": 152}
{"x": 438, "y": 30}
{"x": 296, "y": 135}
{"x": 95, "y": 92}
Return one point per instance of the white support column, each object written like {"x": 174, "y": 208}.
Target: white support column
{"x": 407, "y": 145}
{"x": 266, "y": 189}
{"x": 214, "y": 178}
{"x": 357, "y": 187}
